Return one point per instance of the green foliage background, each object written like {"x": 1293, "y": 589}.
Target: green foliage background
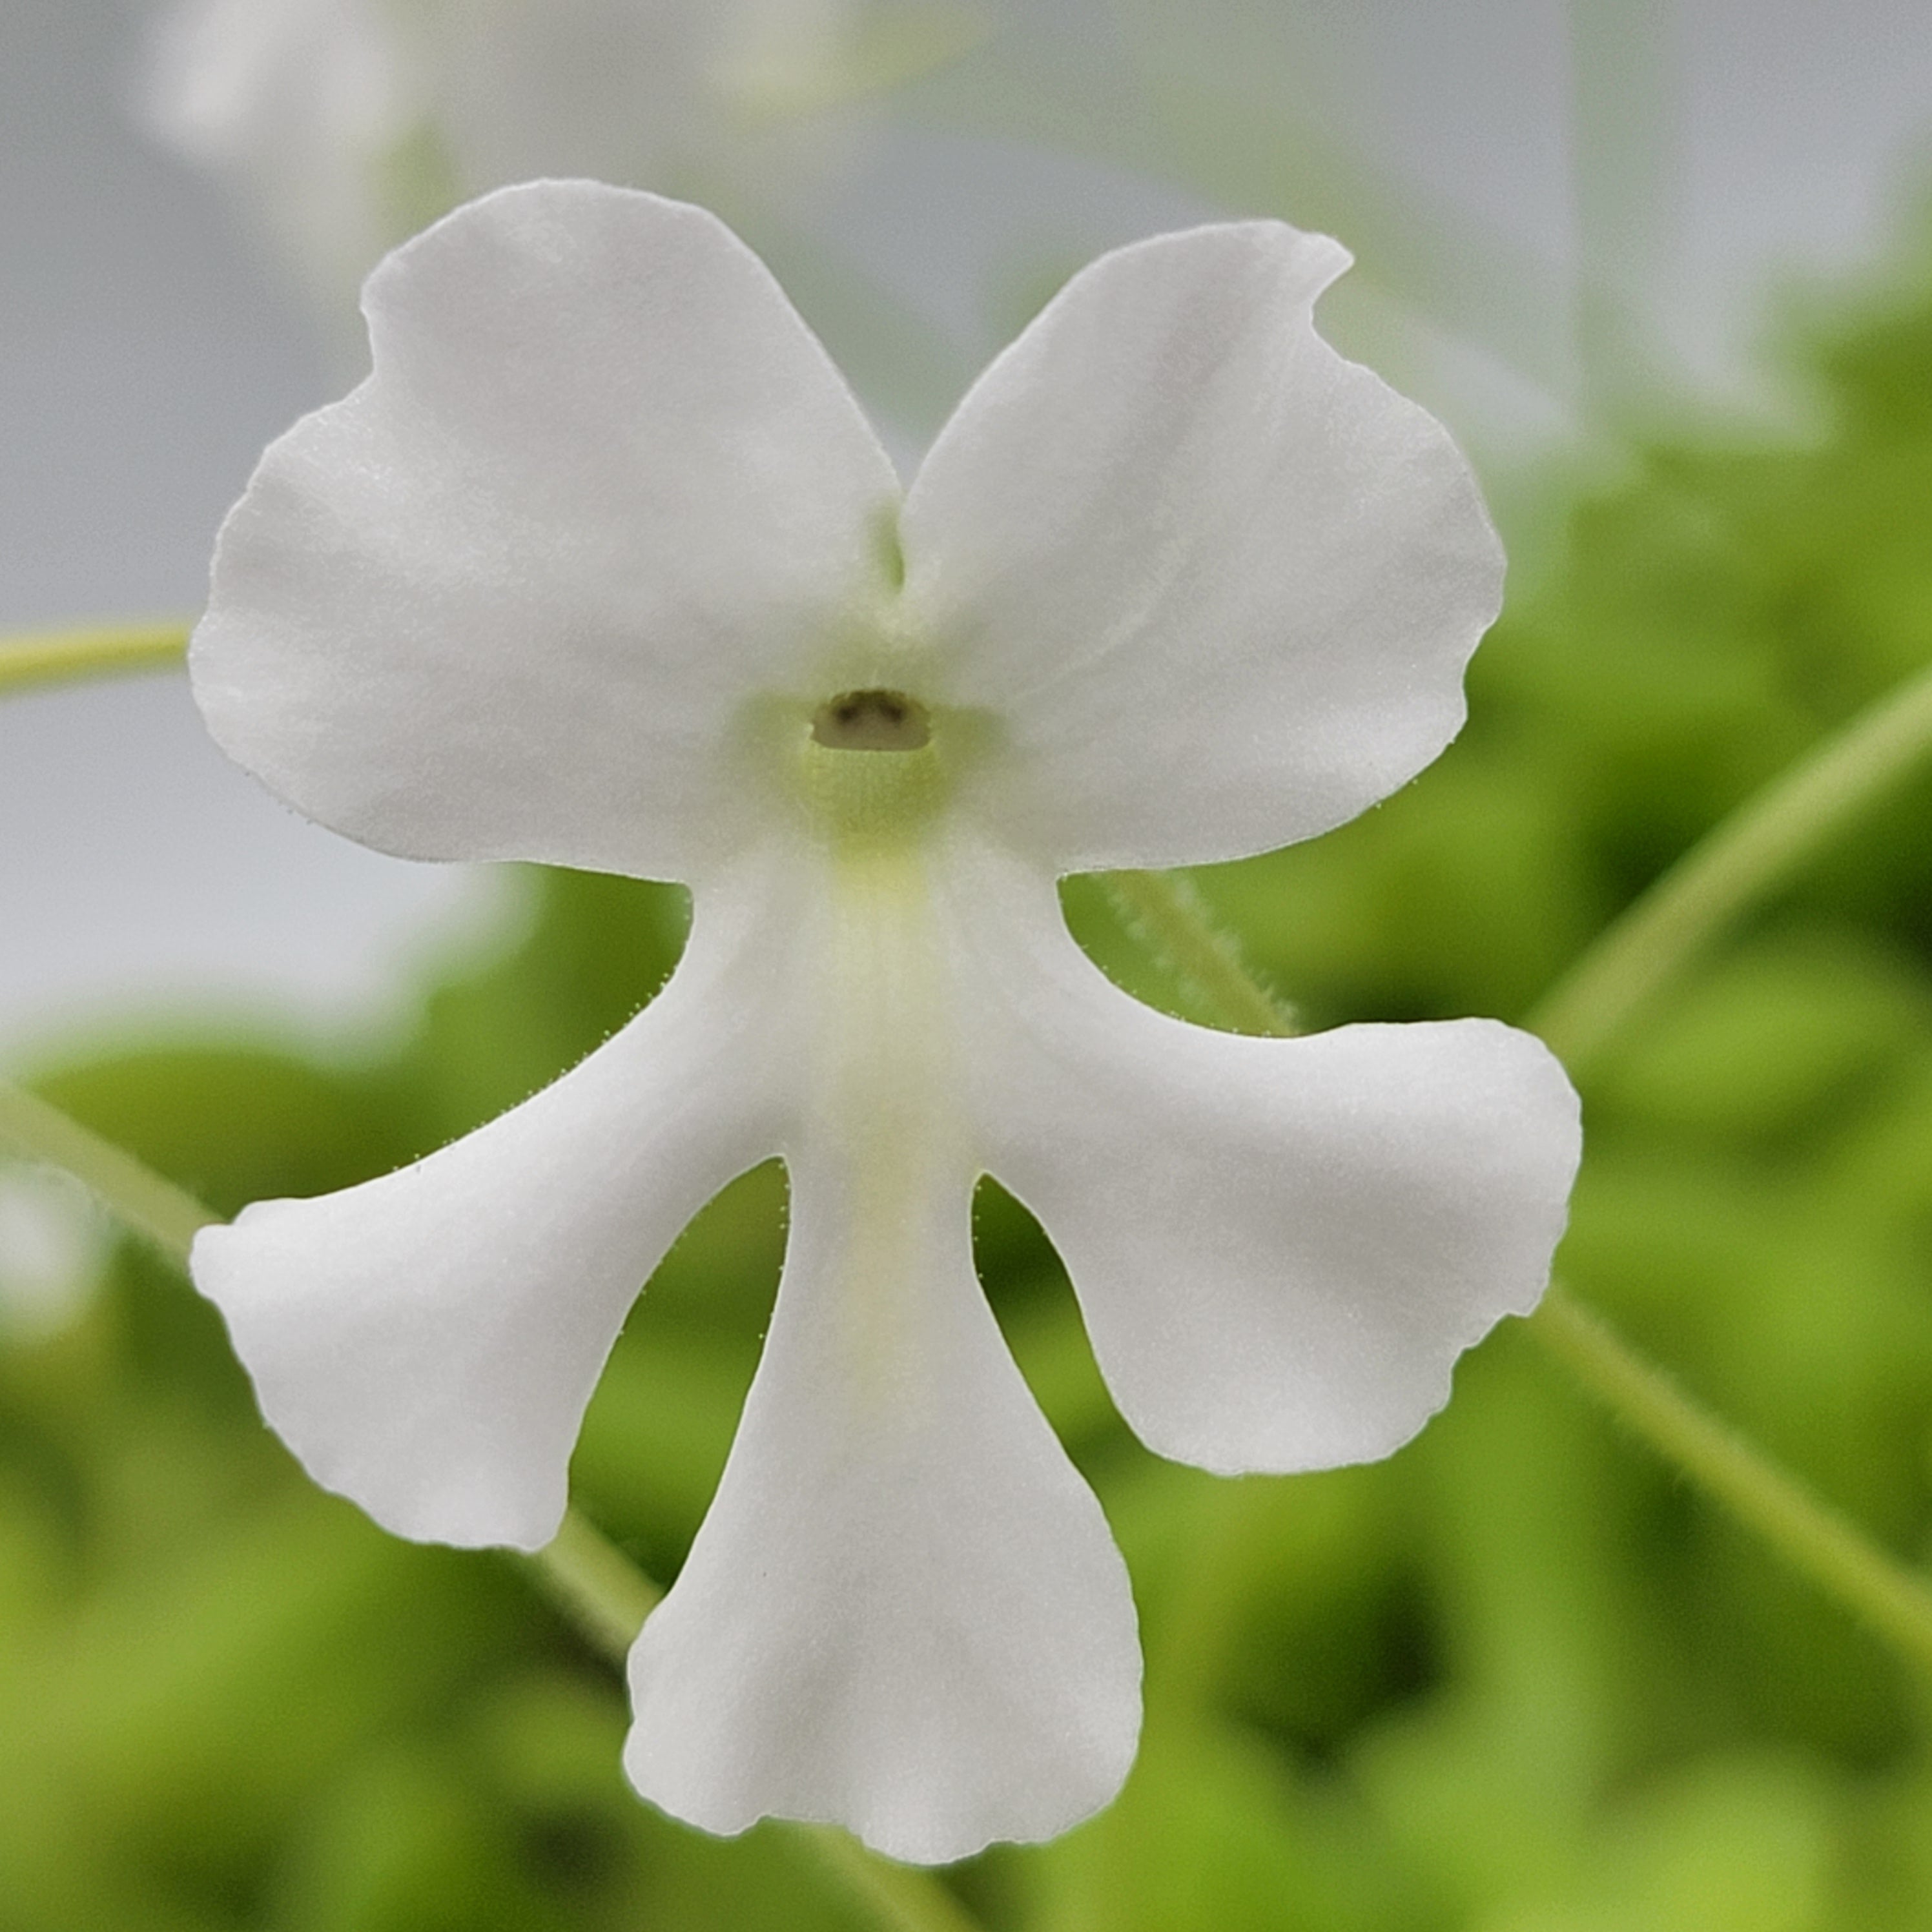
{"x": 1517, "y": 1678}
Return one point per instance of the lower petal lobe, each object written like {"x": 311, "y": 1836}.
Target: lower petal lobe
{"x": 426, "y": 1343}
{"x": 1280, "y": 1245}
{"x": 903, "y": 1613}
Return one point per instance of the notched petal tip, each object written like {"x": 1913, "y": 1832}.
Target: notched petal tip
{"x": 1304, "y": 262}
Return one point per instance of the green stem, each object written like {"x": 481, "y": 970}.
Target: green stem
{"x": 896, "y": 1895}
{"x": 1165, "y": 912}
{"x": 1810, "y": 1535}
{"x": 148, "y": 1204}
{"x": 588, "y": 1577}
{"x": 56, "y": 657}
{"x": 1750, "y": 854}
{"x": 1187, "y": 1649}
{"x": 596, "y": 1586}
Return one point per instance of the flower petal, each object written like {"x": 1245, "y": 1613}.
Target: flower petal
{"x": 1280, "y": 1245}
{"x": 512, "y": 598}
{"x": 903, "y": 1613}
{"x": 1219, "y": 584}
{"x": 426, "y": 1343}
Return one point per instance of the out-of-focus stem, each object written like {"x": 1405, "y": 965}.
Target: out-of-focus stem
{"x": 60, "y": 657}
{"x": 1753, "y": 852}
{"x": 902, "y": 1897}
{"x": 141, "y": 1199}
{"x": 596, "y": 1586}
{"x": 1807, "y": 1531}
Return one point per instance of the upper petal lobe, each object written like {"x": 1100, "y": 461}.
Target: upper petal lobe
{"x": 1218, "y": 584}
{"x": 511, "y": 598}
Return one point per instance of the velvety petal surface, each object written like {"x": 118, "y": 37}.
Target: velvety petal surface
{"x": 426, "y": 1343}
{"x": 1280, "y": 1245}
{"x": 1217, "y": 583}
{"x": 517, "y": 596}
{"x": 903, "y": 1613}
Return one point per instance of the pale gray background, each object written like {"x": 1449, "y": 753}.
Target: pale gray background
{"x": 144, "y": 358}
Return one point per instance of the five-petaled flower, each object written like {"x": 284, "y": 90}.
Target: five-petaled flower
{"x": 603, "y": 566}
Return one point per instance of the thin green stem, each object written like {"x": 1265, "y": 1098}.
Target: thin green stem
{"x": 58, "y": 657}
{"x": 1752, "y": 852}
{"x": 146, "y": 1203}
{"x": 596, "y": 1586}
{"x": 1808, "y": 1532}
{"x": 1187, "y": 1648}
{"x": 903, "y": 1897}
{"x": 1165, "y": 913}
{"x": 585, "y": 1574}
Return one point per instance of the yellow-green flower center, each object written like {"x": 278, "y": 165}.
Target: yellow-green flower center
{"x": 871, "y": 768}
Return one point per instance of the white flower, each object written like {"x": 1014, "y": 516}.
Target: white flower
{"x": 602, "y": 566}
{"x": 348, "y": 124}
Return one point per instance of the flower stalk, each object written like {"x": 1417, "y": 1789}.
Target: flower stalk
{"x": 596, "y": 1586}
{"x": 142, "y": 1200}
{"x": 65, "y": 656}
{"x": 1748, "y": 857}
{"x": 1164, "y": 912}
{"x": 1810, "y": 1535}
{"x": 896, "y": 1895}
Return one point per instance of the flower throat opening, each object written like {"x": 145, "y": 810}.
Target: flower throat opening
{"x": 871, "y": 721}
